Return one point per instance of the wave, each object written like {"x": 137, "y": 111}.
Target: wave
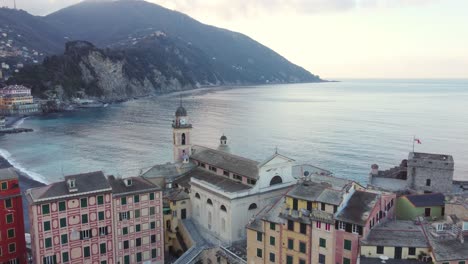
{"x": 33, "y": 175}
{"x": 19, "y": 122}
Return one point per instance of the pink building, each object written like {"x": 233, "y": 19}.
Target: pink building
{"x": 137, "y": 214}
{"x": 71, "y": 221}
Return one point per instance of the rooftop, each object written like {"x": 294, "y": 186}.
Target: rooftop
{"x": 397, "y": 234}
{"x": 366, "y": 260}
{"x": 316, "y": 192}
{"x": 175, "y": 194}
{"x": 221, "y": 182}
{"x": 85, "y": 183}
{"x": 450, "y": 249}
{"x": 169, "y": 170}
{"x": 429, "y": 156}
{"x": 425, "y": 200}
{"x": 8, "y": 174}
{"x": 138, "y": 185}
{"x": 358, "y": 208}
{"x": 227, "y": 161}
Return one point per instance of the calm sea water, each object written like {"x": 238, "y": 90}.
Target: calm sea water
{"x": 343, "y": 127}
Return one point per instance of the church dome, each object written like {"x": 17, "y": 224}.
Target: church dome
{"x": 181, "y": 111}
{"x": 223, "y": 137}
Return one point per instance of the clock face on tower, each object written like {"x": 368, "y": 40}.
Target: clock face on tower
{"x": 182, "y": 121}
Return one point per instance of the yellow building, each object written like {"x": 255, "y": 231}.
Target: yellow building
{"x": 176, "y": 208}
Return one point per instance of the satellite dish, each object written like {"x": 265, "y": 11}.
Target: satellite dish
{"x": 383, "y": 258}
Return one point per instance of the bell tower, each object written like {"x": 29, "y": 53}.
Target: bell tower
{"x": 181, "y": 129}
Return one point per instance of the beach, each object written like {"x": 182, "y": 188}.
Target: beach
{"x": 25, "y": 182}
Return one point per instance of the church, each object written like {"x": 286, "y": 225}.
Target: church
{"x": 226, "y": 191}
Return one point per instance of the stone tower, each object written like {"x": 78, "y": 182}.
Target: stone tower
{"x": 181, "y": 129}
{"x": 430, "y": 172}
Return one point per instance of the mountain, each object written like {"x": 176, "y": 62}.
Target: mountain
{"x": 158, "y": 64}
{"x": 237, "y": 58}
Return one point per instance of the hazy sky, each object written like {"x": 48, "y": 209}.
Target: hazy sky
{"x": 339, "y": 38}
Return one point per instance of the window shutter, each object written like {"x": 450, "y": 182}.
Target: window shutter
{"x": 81, "y": 235}
{"x": 360, "y": 230}
{"x": 336, "y": 225}
{"x": 128, "y": 215}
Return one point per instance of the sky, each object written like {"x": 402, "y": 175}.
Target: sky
{"x": 338, "y": 38}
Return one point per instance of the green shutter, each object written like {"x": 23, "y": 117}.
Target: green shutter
{"x": 125, "y": 230}
{"x": 138, "y": 228}
{"x": 63, "y": 222}
{"x": 302, "y": 247}
{"x": 4, "y": 185}
{"x": 153, "y": 225}
{"x": 100, "y": 199}
{"x": 259, "y": 253}
{"x": 84, "y": 202}
{"x": 46, "y": 225}
{"x": 272, "y": 240}
{"x": 48, "y": 242}
{"x": 86, "y": 252}
{"x": 151, "y": 196}
{"x": 65, "y": 257}
{"x": 45, "y": 208}
{"x": 101, "y": 215}
{"x": 323, "y": 242}
{"x": 138, "y": 257}
{"x": 123, "y": 200}
{"x": 84, "y": 218}
{"x": 127, "y": 259}
{"x": 102, "y": 248}
{"x": 347, "y": 244}
{"x": 289, "y": 259}
{"x": 137, "y": 213}
{"x": 272, "y": 226}
{"x": 62, "y": 207}
{"x": 259, "y": 236}
{"x": 346, "y": 261}
{"x": 290, "y": 244}
{"x": 64, "y": 239}
{"x": 136, "y": 198}
{"x": 153, "y": 253}
{"x": 9, "y": 218}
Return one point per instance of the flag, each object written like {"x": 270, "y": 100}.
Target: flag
{"x": 417, "y": 140}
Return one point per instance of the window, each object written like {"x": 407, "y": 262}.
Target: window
{"x": 136, "y": 198}
{"x": 138, "y": 257}
{"x": 427, "y": 212}
{"x": 126, "y": 259}
{"x": 84, "y": 218}
{"x": 322, "y": 205}
{"x": 48, "y": 242}
{"x": 272, "y": 257}
{"x": 289, "y": 259}
{"x": 49, "y": 260}
{"x": 253, "y": 206}
{"x": 86, "y": 252}
{"x": 65, "y": 257}
{"x": 85, "y": 234}
{"x": 11, "y": 233}
{"x": 64, "y": 239}
{"x": 126, "y": 244}
{"x": 124, "y": 216}
{"x": 138, "y": 228}
{"x": 252, "y": 182}
{"x": 103, "y": 230}
{"x": 302, "y": 247}
{"x": 290, "y": 225}
{"x": 63, "y": 222}
{"x": 104, "y": 262}
{"x": 4, "y": 185}
{"x": 84, "y": 202}
{"x": 138, "y": 242}
{"x": 346, "y": 261}
{"x": 259, "y": 253}
{"x": 46, "y": 225}
{"x": 323, "y": 242}
{"x": 62, "y": 206}
{"x": 226, "y": 173}
{"x": 137, "y": 213}
{"x": 151, "y": 196}
{"x": 295, "y": 204}
{"x": 153, "y": 253}
{"x": 102, "y": 248}
{"x": 45, "y": 207}
{"x": 153, "y": 239}
{"x": 223, "y": 208}
{"x": 327, "y": 227}
{"x": 355, "y": 229}
{"x": 272, "y": 226}
{"x": 428, "y": 182}
{"x": 303, "y": 228}
{"x": 209, "y": 202}
{"x": 321, "y": 259}
{"x": 9, "y": 218}
{"x": 212, "y": 168}
{"x": 347, "y": 244}
{"x": 153, "y": 225}
{"x": 380, "y": 249}
{"x": 461, "y": 262}
{"x": 259, "y": 236}
{"x": 341, "y": 225}
{"x": 152, "y": 210}
{"x": 412, "y": 251}
{"x": 237, "y": 177}
{"x": 276, "y": 180}
{"x": 272, "y": 240}
{"x": 290, "y": 244}
{"x": 100, "y": 199}
{"x": 123, "y": 200}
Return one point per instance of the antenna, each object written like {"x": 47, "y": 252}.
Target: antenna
{"x": 14, "y": 4}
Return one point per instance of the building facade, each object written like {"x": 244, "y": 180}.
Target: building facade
{"x": 430, "y": 172}
{"x": 17, "y": 100}
{"x": 320, "y": 220}
{"x": 431, "y": 205}
{"x": 71, "y": 221}
{"x": 12, "y": 240}
{"x": 137, "y": 215}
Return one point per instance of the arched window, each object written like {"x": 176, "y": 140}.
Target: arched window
{"x": 223, "y": 208}
{"x": 183, "y": 138}
{"x": 253, "y": 206}
{"x": 276, "y": 180}
{"x": 209, "y": 202}
{"x": 197, "y": 195}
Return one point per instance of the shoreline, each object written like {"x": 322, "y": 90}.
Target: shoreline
{"x": 25, "y": 182}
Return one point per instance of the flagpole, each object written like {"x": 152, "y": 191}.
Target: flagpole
{"x": 414, "y": 139}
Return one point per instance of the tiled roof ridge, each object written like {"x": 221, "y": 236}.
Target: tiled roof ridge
{"x": 230, "y": 154}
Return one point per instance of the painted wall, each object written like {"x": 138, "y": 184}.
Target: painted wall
{"x": 406, "y": 210}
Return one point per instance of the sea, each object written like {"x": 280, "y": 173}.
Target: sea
{"x": 342, "y": 126}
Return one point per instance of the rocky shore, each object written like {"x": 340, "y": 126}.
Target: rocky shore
{"x": 25, "y": 182}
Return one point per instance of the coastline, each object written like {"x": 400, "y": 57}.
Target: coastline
{"x": 26, "y": 182}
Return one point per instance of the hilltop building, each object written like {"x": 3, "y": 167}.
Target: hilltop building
{"x": 420, "y": 173}
{"x": 321, "y": 219}
{"x": 12, "y": 242}
{"x": 17, "y": 100}
{"x": 88, "y": 218}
